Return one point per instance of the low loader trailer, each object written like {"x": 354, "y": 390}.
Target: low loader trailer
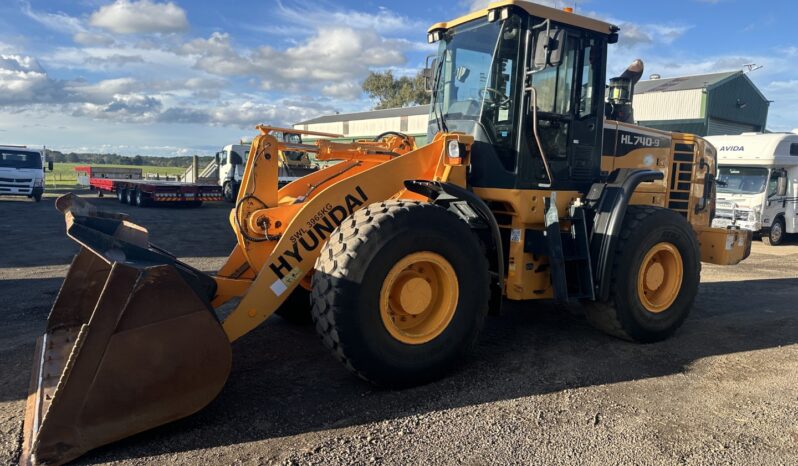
{"x": 130, "y": 188}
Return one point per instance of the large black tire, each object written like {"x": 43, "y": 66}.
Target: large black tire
{"x": 130, "y": 197}
{"x": 37, "y": 197}
{"x": 777, "y": 233}
{"x": 229, "y": 191}
{"x": 349, "y": 278}
{"x": 121, "y": 195}
{"x": 624, "y": 315}
{"x": 140, "y": 200}
{"x": 296, "y": 308}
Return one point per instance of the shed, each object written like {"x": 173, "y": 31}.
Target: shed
{"x": 363, "y": 125}
{"x": 707, "y": 104}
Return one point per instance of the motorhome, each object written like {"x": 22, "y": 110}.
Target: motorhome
{"x": 757, "y": 184}
{"x": 22, "y": 172}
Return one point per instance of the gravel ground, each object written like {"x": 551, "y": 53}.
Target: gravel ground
{"x": 542, "y": 387}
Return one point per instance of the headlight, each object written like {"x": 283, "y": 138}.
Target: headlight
{"x": 454, "y": 149}
{"x": 38, "y": 183}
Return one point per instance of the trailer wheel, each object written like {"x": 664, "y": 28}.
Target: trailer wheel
{"x": 400, "y": 292}
{"x": 121, "y": 195}
{"x": 655, "y": 277}
{"x": 130, "y": 196}
{"x": 141, "y": 201}
{"x": 775, "y": 237}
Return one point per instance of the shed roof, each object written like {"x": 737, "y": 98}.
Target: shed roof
{"x": 370, "y": 115}
{"x": 684, "y": 83}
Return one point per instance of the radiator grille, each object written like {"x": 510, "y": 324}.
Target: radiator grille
{"x": 681, "y": 176}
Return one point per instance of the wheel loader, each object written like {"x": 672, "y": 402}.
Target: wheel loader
{"x": 533, "y": 187}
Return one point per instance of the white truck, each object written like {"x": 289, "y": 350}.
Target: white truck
{"x": 232, "y": 159}
{"x": 22, "y": 172}
{"x": 757, "y": 184}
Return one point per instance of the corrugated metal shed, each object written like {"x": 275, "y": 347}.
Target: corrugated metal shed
{"x": 707, "y": 104}
{"x": 683, "y": 83}
{"x": 370, "y": 115}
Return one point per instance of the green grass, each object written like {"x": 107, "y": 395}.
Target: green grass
{"x": 64, "y": 175}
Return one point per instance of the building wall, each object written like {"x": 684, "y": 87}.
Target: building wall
{"x": 739, "y": 101}
{"x": 672, "y": 105}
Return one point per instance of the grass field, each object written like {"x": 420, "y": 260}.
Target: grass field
{"x": 64, "y": 175}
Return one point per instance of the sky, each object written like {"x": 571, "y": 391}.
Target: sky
{"x": 186, "y": 77}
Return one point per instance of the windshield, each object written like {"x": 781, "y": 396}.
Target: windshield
{"x": 742, "y": 180}
{"x": 20, "y": 159}
{"x": 476, "y": 83}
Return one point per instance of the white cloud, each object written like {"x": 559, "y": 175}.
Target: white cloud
{"x": 57, "y": 21}
{"x": 124, "y": 108}
{"x": 92, "y": 39}
{"x": 319, "y": 15}
{"x": 332, "y": 56}
{"x": 144, "y": 16}
{"x": 349, "y": 90}
{"x": 24, "y": 81}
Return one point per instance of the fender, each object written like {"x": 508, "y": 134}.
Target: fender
{"x": 609, "y": 201}
{"x": 444, "y": 194}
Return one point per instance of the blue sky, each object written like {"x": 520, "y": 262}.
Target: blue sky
{"x": 172, "y": 78}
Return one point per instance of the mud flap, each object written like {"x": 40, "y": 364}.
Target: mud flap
{"x": 131, "y": 343}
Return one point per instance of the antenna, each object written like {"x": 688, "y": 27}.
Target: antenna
{"x": 751, "y": 67}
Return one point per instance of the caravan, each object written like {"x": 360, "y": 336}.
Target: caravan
{"x": 757, "y": 185}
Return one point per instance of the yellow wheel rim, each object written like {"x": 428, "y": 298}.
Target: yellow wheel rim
{"x": 660, "y": 277}
{"x": 418, "y": 297}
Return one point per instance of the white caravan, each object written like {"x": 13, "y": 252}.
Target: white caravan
{"x": 22, "y": 172}
{"x": 757, "y": 185}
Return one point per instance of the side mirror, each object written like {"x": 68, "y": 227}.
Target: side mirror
{"x": 50, "y": 165}
{"x": 429, "y": 72}
{"x": 549, "y": 48}
{"x": 781, "y": 189}
{"x": 235, "y": 159}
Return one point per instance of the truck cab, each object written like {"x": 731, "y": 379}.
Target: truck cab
{"x": 294, "y": 164}
{"x": 22, "y": 172}
{"x": 757, "y": 185}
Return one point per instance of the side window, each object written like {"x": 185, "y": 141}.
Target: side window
{"x": 554, "y": 85}
{"x": 222, "y": 158}
{"x": 587, "y": 89}
{"x": 773, "y": 183}
{"x": 794, "y": 149}
{"x": 498, "y": 93}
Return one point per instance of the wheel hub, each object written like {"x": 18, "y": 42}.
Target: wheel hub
{"x": 419, "y": 297}
{"x": 660, "y": 278}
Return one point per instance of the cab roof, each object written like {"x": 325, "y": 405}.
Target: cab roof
{"x": 537, "y": 10}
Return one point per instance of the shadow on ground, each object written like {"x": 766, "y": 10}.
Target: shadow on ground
{"x": 284, "y": 383}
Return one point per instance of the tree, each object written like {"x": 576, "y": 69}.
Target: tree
{"x": 393, "y": 92}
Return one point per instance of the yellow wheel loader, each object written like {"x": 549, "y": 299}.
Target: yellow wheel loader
{"x": 526, "y": 191}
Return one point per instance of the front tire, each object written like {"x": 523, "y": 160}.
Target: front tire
{"x": 655, "y": 277}
{"x": 776, "y": 235}
{"x": 400, "y": 292}
{"x": 229, "y": 191}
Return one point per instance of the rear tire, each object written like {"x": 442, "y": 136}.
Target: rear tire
{"x": 121, "y": 196}
{"x": 776, "y": 235}
{"x": 130, "y": 197}
{"x": 655, "y": 247}
{"x": 400, "y": 292}
{"x": 141, "y": 201}
{"x": 296, "y": 308}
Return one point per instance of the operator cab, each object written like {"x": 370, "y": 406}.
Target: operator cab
{"x": 527, "y": 81}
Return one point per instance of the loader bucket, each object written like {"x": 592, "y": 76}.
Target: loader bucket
{"x": 131, "y": 342}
